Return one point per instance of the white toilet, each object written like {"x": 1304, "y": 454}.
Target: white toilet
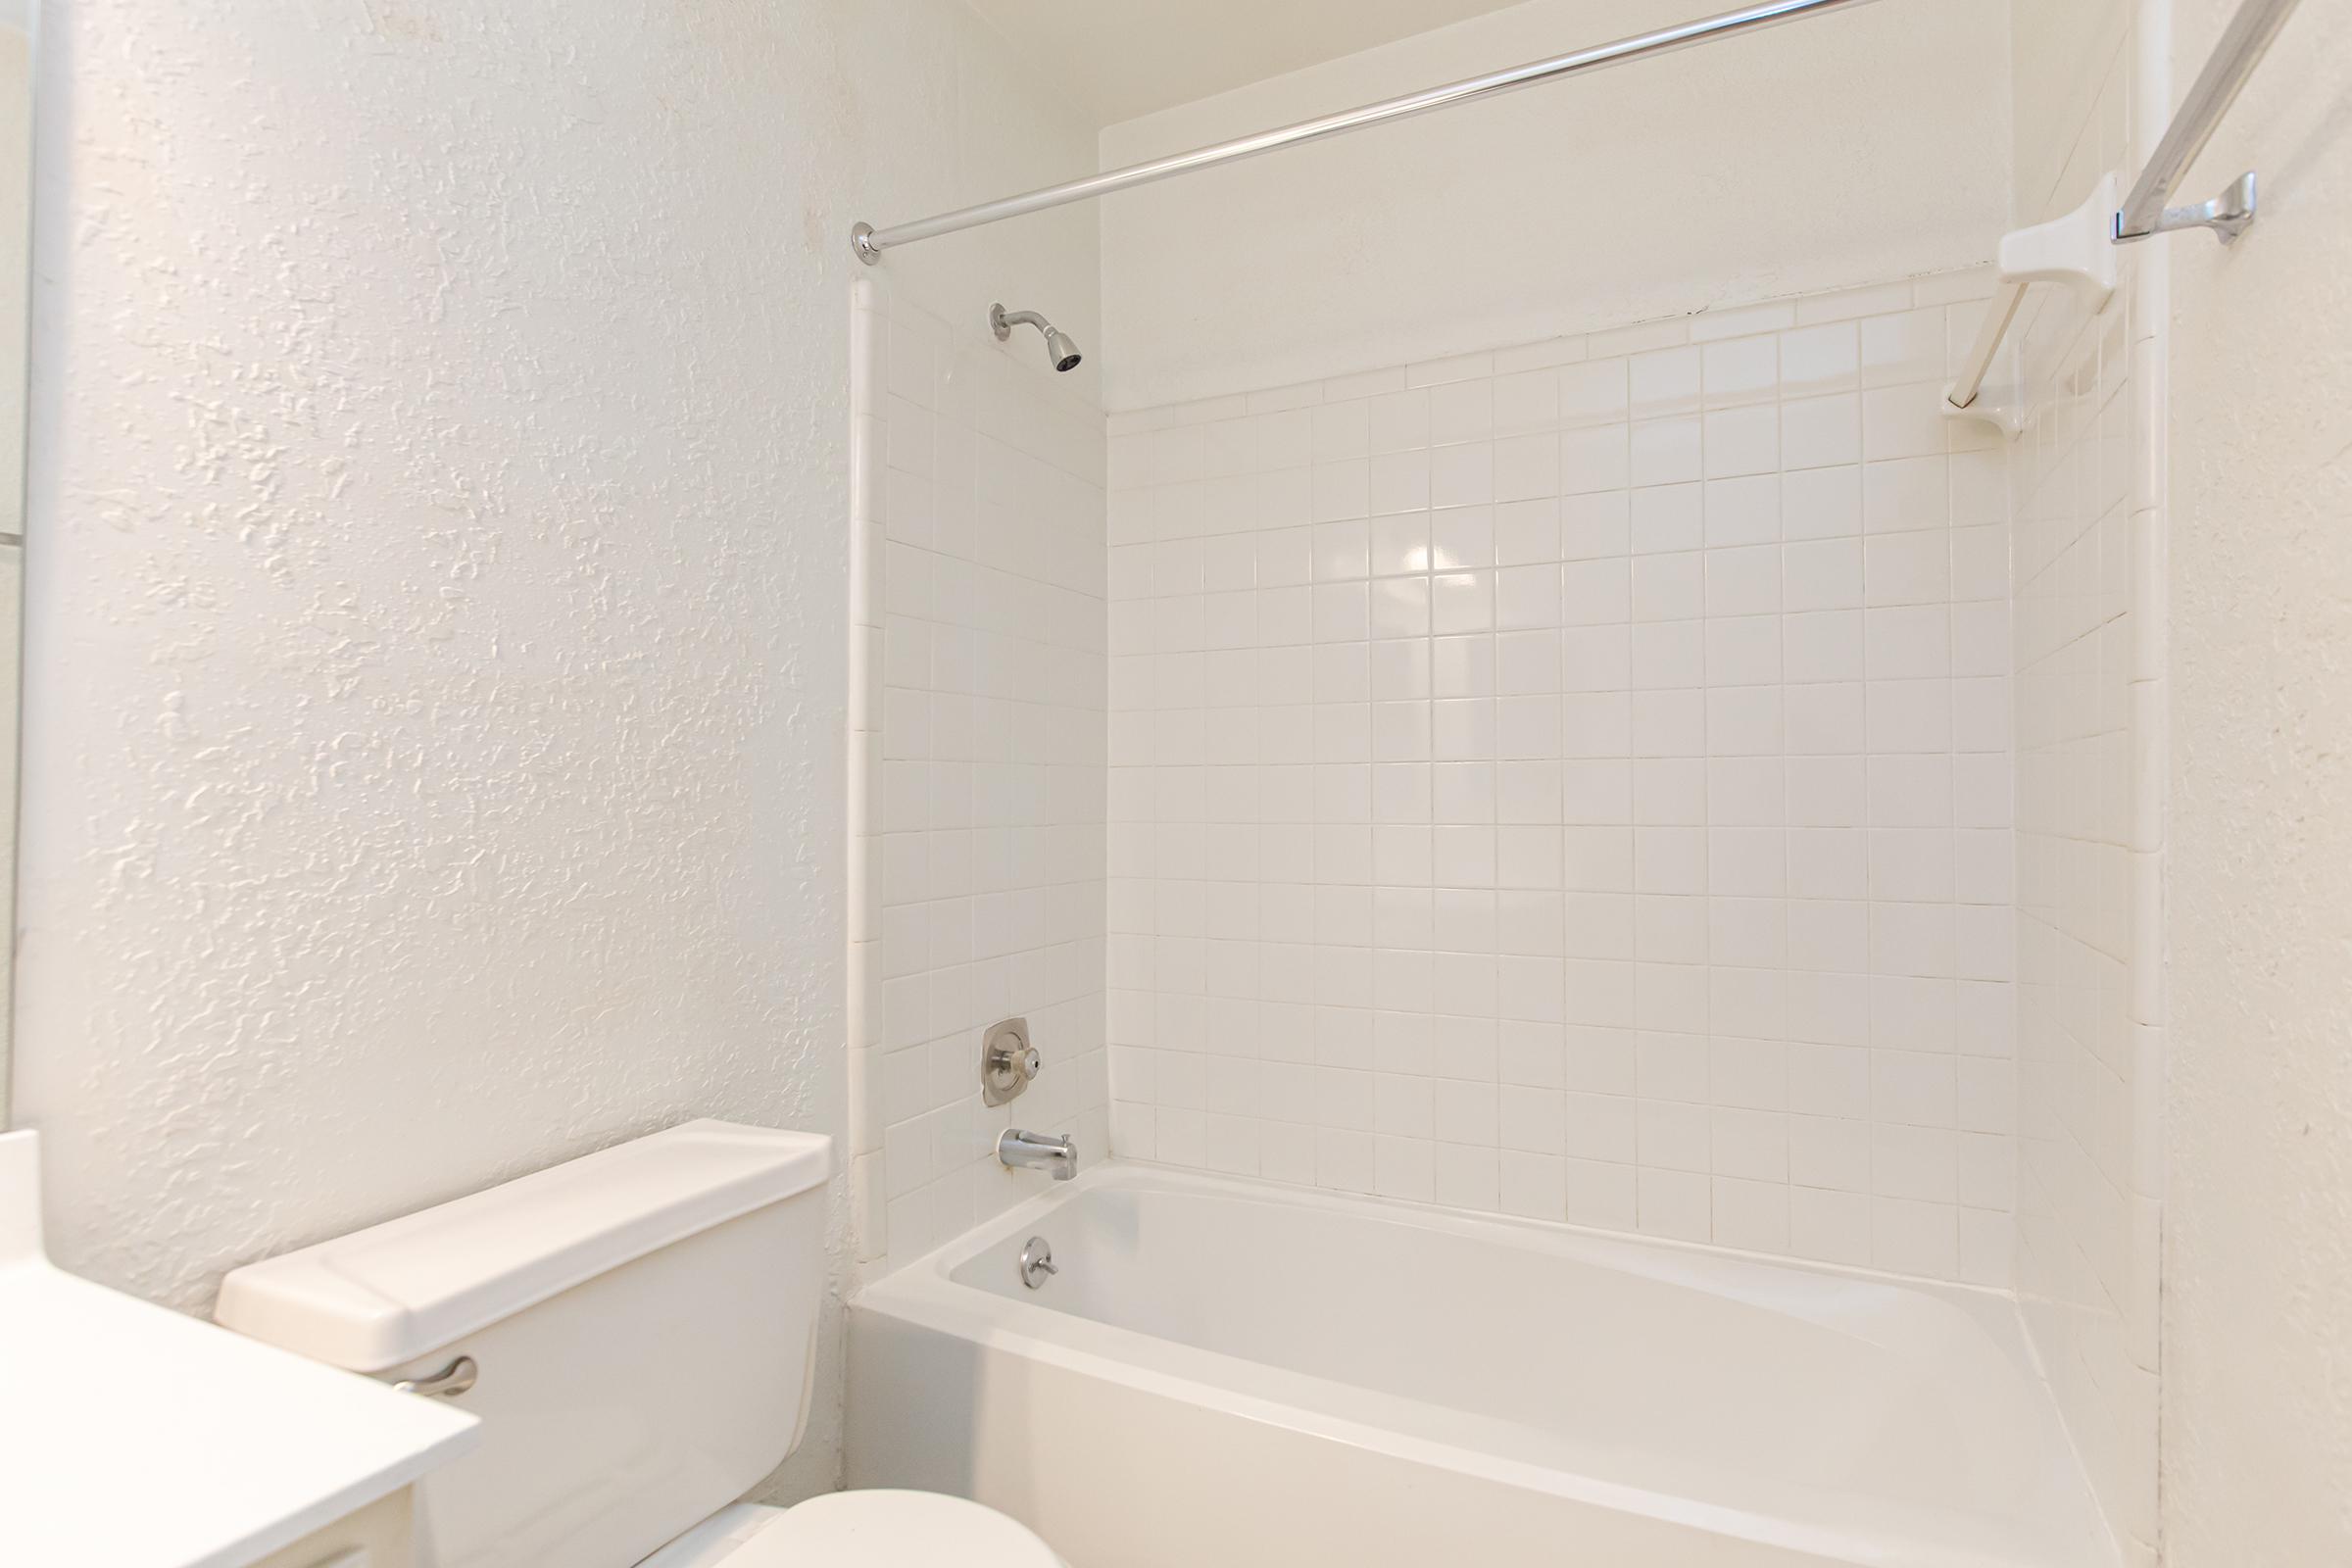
{"x": 638, "y": 1328}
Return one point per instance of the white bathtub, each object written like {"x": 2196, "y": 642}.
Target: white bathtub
{"x": 1229, "y": 1375}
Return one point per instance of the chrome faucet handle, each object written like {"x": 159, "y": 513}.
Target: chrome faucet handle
{"x": 1008, "y": 1061}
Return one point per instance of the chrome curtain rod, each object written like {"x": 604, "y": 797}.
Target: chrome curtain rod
{"x": 2242, "y": 45}
{"x": 871, "y": 242}
{"x": 2078, "y": 249}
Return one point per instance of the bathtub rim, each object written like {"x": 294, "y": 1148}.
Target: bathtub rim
{"x": 923, "y": 1293}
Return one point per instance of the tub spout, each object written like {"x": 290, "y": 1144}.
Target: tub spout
{"x": 1039, "y": 1151}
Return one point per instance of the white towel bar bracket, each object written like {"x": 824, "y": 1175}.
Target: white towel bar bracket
{"x": 2077, "y": 249}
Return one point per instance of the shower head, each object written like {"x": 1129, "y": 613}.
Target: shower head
{"x": 1060, "y": 350}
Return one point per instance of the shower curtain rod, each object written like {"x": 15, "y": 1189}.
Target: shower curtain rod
{"x": 871, "y": 242}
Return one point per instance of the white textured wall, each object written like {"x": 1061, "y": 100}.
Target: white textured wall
{"x": 438, "y": 641}
{"x": 1837, "y": 151}
{"x": 2258, "y": 1244}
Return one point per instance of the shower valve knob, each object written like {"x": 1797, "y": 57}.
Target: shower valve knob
{"x": 1008, "y": 1061}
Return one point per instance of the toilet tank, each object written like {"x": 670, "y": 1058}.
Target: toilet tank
{"x": 642, "y": 1323}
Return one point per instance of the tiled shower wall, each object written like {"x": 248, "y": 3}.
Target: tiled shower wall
{"x": 2087, "y": 480}
{"x": 1575, "y": 781}
{"x": 977, "y": 764}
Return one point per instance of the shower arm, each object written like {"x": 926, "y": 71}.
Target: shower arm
{"x": 870, "y": 242}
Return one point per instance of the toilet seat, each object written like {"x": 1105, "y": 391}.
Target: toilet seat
{"x": 876, "y": 1529}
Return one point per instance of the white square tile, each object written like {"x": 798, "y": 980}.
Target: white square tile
{"x": 1902, "y": 422}
{"x": 1826, "y": 791}
{"x": 1822, "y": 574}
{"x": 1526, "y": 402}
{"x": 1740, "y": 370}
{"x": 1902, "y": 348}
{"x": 1595, "y": 591}
{"x": 1528, "y": 532}
{"x": 1461, "y": 538}
{"x": 1397, "y": 421}
{"x": 1744, "y": 581}
{"x": 1461, "y": 476}
{"x": 1674, "y": 1203}
{"x": 1743, "y": 651}
{"x": 1743, "y": 511}
{"x": 1527, "y": 663}
{"x": 1670, "y": 653}
{"x": 1821, "y": 432}
{"x": 1903, "y": 493}
{"x": 1666, "y": 451}
{"x": 1908, "y": 643}
{"x": 1910, "y": 716}
{"x": 1670, "y": 792}
{"x": 1669, "y": 587}
{"x": 1748, "y": 931}
{"x": 1815, "y": 360}
{"x": 1664, "y": 724}
{"x": 1825, "y": 720}
{"x": 1396, "y": 482}
{"x": 1526, "y": 467}
{"x": 1594, "y": 392}
{"x": 1461, "y": 411}
{"x": 1668, "y": 519}
{"x": 1667, "y": 381}
{"x": 1829, "y": 863}
{"x": 1462, "y": 602}
{"x": 1821, "y": 503}
{"x": 1593, "y": 458}
{"x": 1906, "y": 568}
{"x": 1526, "y": 596}
{"x": 1740, "y": 441}
{"x": 1832, "y": 1227}
{"x": 1980, "y": 563}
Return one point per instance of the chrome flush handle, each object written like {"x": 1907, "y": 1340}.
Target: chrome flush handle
{"x": 447, "y": 1384}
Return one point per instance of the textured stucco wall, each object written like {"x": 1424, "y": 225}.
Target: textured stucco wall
{"x": 439, "y": 646}
{"x": 2257, "y": 1398}
{"x": 1839, "y": 151}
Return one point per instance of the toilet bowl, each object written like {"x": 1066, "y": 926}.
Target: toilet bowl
{"x": 859, "y": 1529}
{"x": 637, "y": 1332}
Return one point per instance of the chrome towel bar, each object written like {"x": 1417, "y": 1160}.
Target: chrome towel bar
{"x": 2079, "y": 248}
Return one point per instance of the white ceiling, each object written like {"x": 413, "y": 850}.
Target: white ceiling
{"x": 1124, "y": 57}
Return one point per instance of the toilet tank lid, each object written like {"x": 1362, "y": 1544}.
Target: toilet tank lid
{"x": 377, "y": 1298}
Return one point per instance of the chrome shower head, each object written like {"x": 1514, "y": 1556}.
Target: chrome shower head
{"x": 1060, "y": 350}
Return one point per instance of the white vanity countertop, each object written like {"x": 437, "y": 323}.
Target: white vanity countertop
{"x": 133, "y": 1436}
